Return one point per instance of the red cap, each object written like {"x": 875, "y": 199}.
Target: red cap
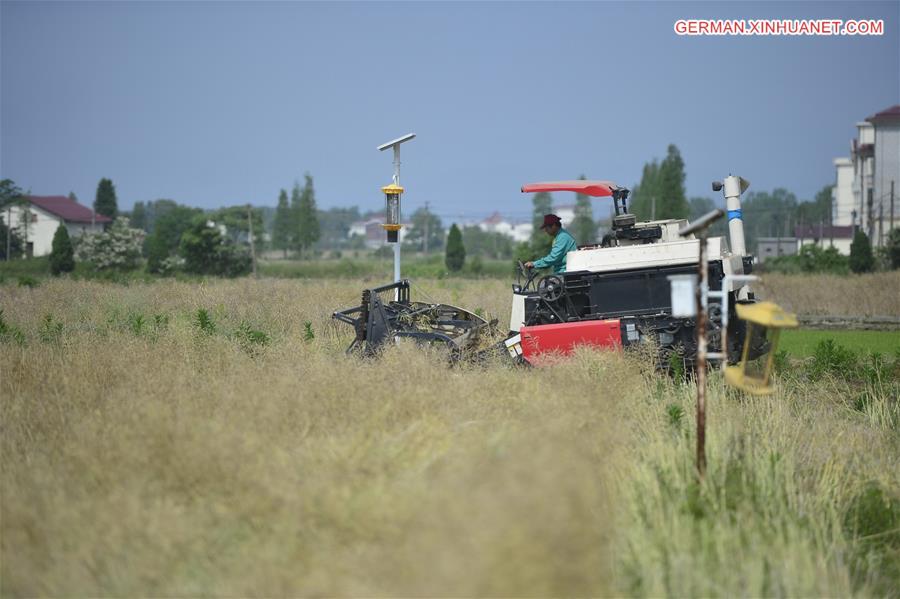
{"x": 551, "y": 219}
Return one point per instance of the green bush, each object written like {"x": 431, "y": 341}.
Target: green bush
{"x": 51, "y": 330}
{"x": 873, "y": 520}
{"x": 62, "y": 256}
{"x": 118, "y": 248}
{"x": 861, "y": 258}
{"x": 251, "y": 340}
{"x": 455, "y": 256}
{"x": 811, "y": 259}
{"x": 204, "y": 322}
{"x": 829, "y": 358}
{"x": 893, "y": 248}
{"x": 10, "y": 333}
{"x": 206, "y": 251}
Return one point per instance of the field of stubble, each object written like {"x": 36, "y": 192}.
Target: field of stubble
{"x": 181, "y": 438}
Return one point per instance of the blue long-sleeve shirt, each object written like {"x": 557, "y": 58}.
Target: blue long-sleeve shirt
{"x": 563, "y": 243}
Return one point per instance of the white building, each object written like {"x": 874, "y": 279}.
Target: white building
{"x": 566, "y": 214}
{"x": 843, "y": 205}
{"x": 863, "y": 183}
{"x": 37, "y": 220}
{"x": 373, "y": 233}
{"x": 496, "y": 223}
{"x": 838, "y": 236}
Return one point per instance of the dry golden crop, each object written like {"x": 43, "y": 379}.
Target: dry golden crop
{"x": 876, "y": 294}
{"x": 182, "y": 438}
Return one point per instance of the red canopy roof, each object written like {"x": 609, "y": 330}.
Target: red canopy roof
{"x": 67, "y": 209}
{"x": 598, "y": 189}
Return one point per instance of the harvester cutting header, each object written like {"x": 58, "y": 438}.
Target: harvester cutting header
{"x": 613, "y": 293}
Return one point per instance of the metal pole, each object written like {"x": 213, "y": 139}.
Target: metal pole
{"x": 397, "y": 244}
{"x": 892, "y": 208}
{"x": 701, "y": 358}
{"x": 252, "y": 245}
{"x": 9, "y": 230}
{"x": 880, "y": 224}
{"x": 831, "y": 224}
{"x": 427, "y": 223}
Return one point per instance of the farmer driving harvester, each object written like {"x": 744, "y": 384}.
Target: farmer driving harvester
{"x": 563, "y": 243}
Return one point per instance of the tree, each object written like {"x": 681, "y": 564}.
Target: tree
{"x": 139, "y": 216}
{"x": 119, "y": 247}
{"x": 861, "y": 258}
{"x": 283, "y": 225}
{"x": 424, "y": 223}
{"x": 296, "y": 195}
{"x": 542, "y": 203}
{"x": 698, "y": 206}
{"x": 488, "y": 244}
{"x": 168, "y": 227}
{"x": 234, "y": 218}
{"x": 583, "y": 226}
{"x": 893, "y": 248}
{"x": 62, "y": 257}
{"x": 206, "y": 251}
{"x": 661, "y": 194}
{"x": 308, "y": 230}
{"x": 455, "y": 256}
{"x": 10, "y": 241}
{"x": 646, "y": 192}
{"x": 768, "y": 215}
{"x": 335, "y": 224}
{"x": 671, "y": 201}
{"x": 817, "y": 211}
{"x": 105, "y": 202}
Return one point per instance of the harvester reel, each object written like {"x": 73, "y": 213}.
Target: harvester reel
{"x": 550, "y": 288}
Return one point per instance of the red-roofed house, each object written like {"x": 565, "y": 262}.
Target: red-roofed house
{"x": 38, "y": 220}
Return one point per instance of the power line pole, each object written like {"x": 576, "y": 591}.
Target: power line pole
{"x": 880, "y": 224}
{"x": 9, "y": 229}
{"x": 831, "y": 224}
{"x": 250, "y": 235}
{"x": 427, "y": 228}
{"x": 892, "y": 208}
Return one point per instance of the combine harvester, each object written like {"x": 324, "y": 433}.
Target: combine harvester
{"x": 613, "y": 294}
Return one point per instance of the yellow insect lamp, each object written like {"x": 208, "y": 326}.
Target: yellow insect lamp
{"x": 765, "y": 320}
{"x": 392, "y": 211}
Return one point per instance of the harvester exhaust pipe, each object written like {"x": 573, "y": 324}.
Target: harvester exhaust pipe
{"x": 734, "y": 186}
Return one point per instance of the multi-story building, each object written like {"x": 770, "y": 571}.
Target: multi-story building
{"x": 866, "y": 183}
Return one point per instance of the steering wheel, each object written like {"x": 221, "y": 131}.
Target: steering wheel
{"x": 528, "y": 274}
{"x": 550, "y": 288}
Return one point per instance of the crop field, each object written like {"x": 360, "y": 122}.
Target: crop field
{"x": 803, "y": 343}
{"x": 176, "y": 438}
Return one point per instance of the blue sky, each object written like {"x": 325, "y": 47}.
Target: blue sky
{"x": 219, "y": 103}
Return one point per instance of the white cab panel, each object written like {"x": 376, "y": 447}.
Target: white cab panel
{"x": 644, "y": 255}
{"x": 517, "y": 316}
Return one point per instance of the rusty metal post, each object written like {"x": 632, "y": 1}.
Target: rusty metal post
{"x": 701, "y": 355}
{"x": 701, "y": 296}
